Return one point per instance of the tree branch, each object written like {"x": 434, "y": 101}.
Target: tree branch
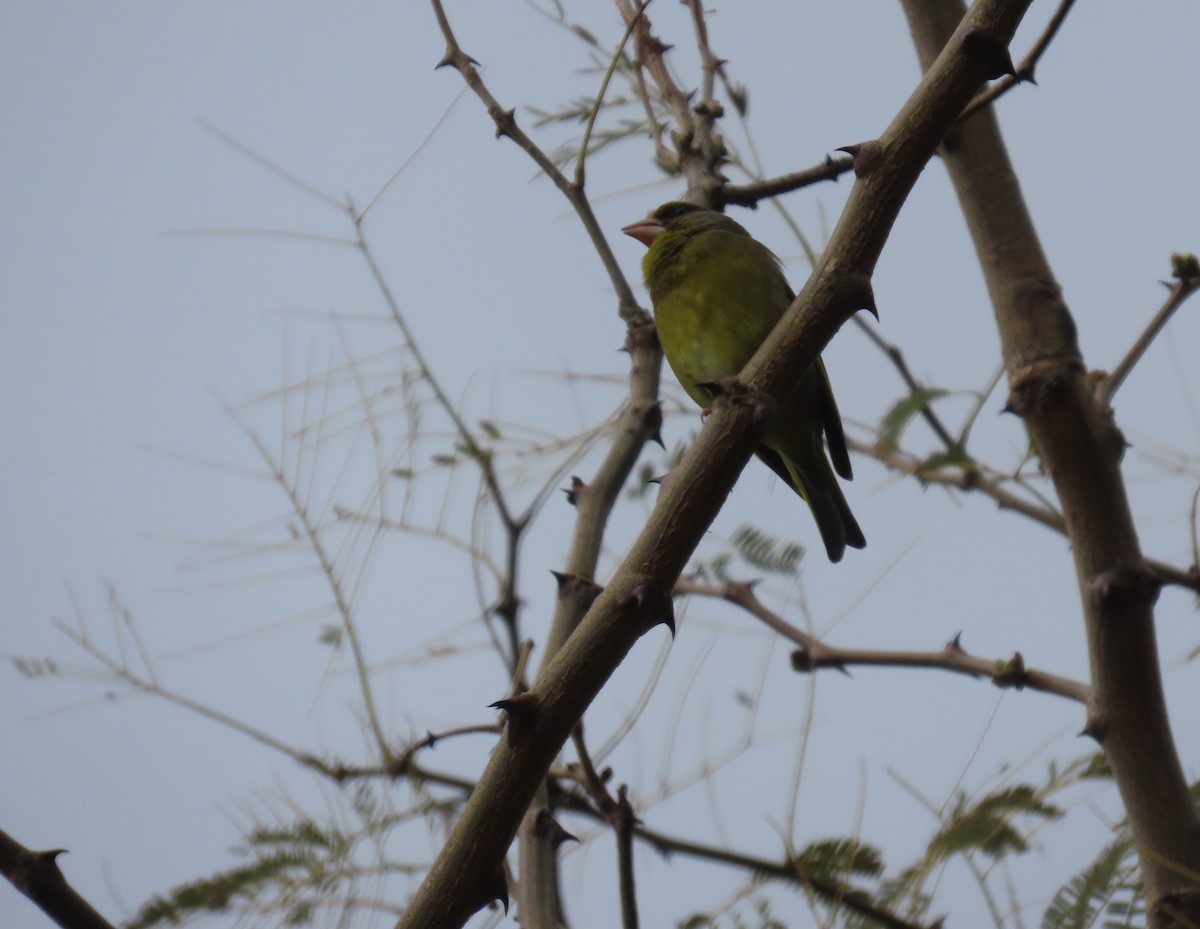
{"x": 1187, "y": 282}
{"x": 812, "y": 654}
{"x": 37, "y": 876}
{"x": 638, "y": 596}
{"x": 1081, "y": 448}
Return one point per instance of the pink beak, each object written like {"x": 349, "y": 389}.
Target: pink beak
{"x": 644, "y": 230}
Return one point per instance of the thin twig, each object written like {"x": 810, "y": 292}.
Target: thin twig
{"x": 1025, "y": 70}
{"x": 1177, "y": 295}
{"x": 981, "y": 481}
{"x": 896, "y": 357}
{"x": 149, "y": 687}
{"x": 506, "y": 125}
{"x": 595, "y": 112}
{"x": 812, "y": 654}
{"x": 341, "y": 600}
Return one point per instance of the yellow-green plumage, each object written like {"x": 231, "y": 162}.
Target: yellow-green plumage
{"x": 717, "y": 294}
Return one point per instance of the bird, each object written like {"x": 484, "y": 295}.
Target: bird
{"x": 717, "y": 293}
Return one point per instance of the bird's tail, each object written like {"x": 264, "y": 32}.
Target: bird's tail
{"x": 835, "y": 522}
{"x": 818, "y": 486}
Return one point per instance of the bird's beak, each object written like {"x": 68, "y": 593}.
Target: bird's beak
{"x": 644, "y": 230}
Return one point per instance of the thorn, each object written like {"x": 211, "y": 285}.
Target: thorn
{"x": 49, "y": 856}
{"x": 1133, "y": 584}
{"x": 954, "y": 646}
{"x": 505, "y": 120}
{"x": 562, "y": 579}
{"x": 521, "y": 711}
{"x": 865, "y": 154}
{"x": 650, "y": 599}
{"x": 1094, "y": 729}
{"x": 669, "y": 619}
{"x": 573, "y": 584}
{"x": 575, "y": 490}
{"x": 983, "y": 46}
{"x": 455, "y": 58}
{"x": 858, "y": 294}
{"x": 522, "y": 703}
{"x": 549, "y": 827}
{"x": 497, "y": 888}
{"x": 654, "y": 418}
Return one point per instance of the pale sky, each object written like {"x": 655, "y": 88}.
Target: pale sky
{"x": 132, "y": 318}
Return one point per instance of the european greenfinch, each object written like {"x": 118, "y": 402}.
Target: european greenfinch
{"x": 717, "y": 294}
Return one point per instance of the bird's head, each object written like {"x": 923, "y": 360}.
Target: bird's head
{"x": 677, "y": 216}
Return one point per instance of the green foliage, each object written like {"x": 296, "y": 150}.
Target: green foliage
{"x": 947, "y": 458}
{"x": 757, "y": 915}
{"x": 839, "y": 859}
{"x": 739, "y": 96}
{"x": 1108, "y": 884}
{"x": 900, "y": 895}
{"x": 766, "y": 553}
{"x": 987, "y": 825}
{"x": 279, "y": 862}
{"x": 292, "y": 873}
{"x": 896, "y": 419}
{"x": 1109, "y": 888}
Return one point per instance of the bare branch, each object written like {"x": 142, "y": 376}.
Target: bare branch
{"x": 752, "y": 193}
{"x": 1025, "y": 70}
{"x": 1185, "y": 285}
{"x": 37, "y": 876}
{"x": 812, "y": 654}
{"x": 506, "y": 125}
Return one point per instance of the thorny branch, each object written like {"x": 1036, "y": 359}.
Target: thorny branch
{"x": 1187, "y": 282}
{"x": 506, "y": 125}
{"x": 1024, "y": 71}
{"x": 812, "y": 654}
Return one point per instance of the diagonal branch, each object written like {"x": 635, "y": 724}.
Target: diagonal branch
{"x": 37, "y": 876}
{"x": 1187, "y": 283}
{"x": 1025, "y": 70}
{"x": 638, "y": 596}
{"x": 506, "y": 125}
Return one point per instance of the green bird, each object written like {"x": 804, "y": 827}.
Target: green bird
{"x": 717, "y": 294}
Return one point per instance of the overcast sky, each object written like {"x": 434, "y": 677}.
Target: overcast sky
{"x": 136, "y": 324}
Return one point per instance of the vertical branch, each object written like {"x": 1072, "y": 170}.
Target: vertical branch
{"x": 539, "y": 902}
{"x": 1081, "y": 447}
{"x": 625, "y": 870}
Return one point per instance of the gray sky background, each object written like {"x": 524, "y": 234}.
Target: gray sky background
{"x": 127, "y": 331}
